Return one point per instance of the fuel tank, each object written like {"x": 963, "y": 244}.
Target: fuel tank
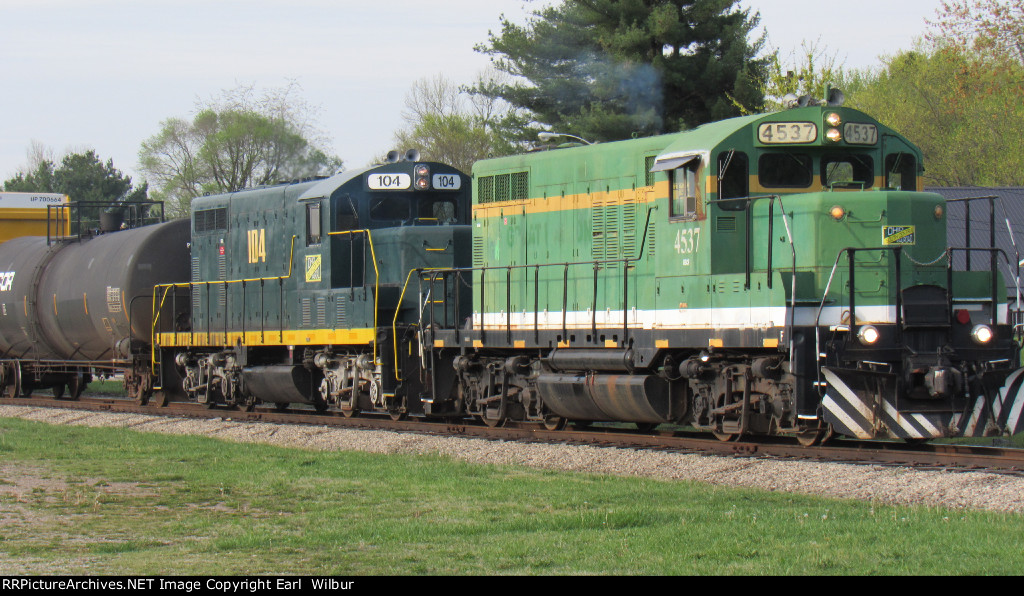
{"x": 76, "y": 300}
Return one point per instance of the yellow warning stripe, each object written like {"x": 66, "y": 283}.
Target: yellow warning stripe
{"x": 288, "y": 337}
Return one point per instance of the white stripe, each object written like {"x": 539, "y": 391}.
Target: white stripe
{"x": 972, "y": 424}
{"x": 927, "y": 424}
{"x": 681, "y": 318}
{"x": 1014, "y": 417}
{"x": 688, "y": 318}
{"x": 837, "y": 411}
{"x": 997, "y": 407}
{"x": 901, "y": 421}
{"x": 851, "y": 397}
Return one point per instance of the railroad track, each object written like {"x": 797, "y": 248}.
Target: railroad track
{"x": 948, "y": 457}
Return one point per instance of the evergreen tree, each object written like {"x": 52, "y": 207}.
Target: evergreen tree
{"x": 81, "y": 176}
{"x": 84, "y": 177}
{"x": 610, "y": 69}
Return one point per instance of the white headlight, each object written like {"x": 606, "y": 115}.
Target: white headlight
{"x": 868, "y": 335}
{"x": 982, "y": 334}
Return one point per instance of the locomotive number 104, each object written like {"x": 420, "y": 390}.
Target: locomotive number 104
{"x": 257, "y": 246}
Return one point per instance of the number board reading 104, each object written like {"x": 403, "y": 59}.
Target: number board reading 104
{"x": 447, "y": 181}
{"x": 389, "y": 181}
{"x": 780, "y": 133}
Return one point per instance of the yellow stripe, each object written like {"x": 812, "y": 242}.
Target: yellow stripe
{"x": 771, "y": 343}
{"x": 289, "y": 337}
{"x": 85, "y": 303}
{"x": 519, "y": 344}
{"x": 661, "y": 343}
{"x": 715, "y": 343}
{"x": 641, "y": 195}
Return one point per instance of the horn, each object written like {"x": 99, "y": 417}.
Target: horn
{"x": 803, "y": 101}
{"x": 412, "y": 155}
{"x": 790, "y": 101}
{"x": 836, "y": 98}
{"x": 394, "y": 157}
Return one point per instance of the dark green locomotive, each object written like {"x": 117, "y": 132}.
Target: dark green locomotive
{"x": 297, "y": 290}
{"x": 774, "y": 274}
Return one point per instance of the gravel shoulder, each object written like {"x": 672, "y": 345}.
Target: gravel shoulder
{"x": 884, "y": 485}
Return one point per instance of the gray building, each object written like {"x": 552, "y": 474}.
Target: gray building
{"x": 976, "y": 217}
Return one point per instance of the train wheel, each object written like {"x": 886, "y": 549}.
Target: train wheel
{"x": 814, "y": 436}
{"x": 163, "y": 398}
{"x": 138, "y": 384}
{"x": 142, "y": 396}
{"x": 726, "y": 437}
{"x": 491, "y": 422}
{"x": 553, "y": 423}
{"x": 76, "y": 385}
{"x": 58, "y": 390}
{"x": 13, "y": 387}
{"x": 397, "y": 415}
{"x": 350, "y": 412}
{"x": 646, "y": 427}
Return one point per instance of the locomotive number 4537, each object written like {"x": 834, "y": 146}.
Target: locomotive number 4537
{"x": 687, "y": 241}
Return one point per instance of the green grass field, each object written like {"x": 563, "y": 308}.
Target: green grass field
{"x": 110, "y": 501}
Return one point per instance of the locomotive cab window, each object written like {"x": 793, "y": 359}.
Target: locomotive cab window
{"x": 733, "y": 180}
{"x": 847, "y": 171}
{"x": 685, "y": 190}
{"x": 346, "y": 216}
{"x": 394, "y": 209}
{"x": 901, "y": 171}
{"x": 313, "y": 225}
{"x": 784, "y": 170}
{"x": 441, "y": 211}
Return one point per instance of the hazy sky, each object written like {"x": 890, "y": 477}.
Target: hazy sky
{"x": 103, "y": 74}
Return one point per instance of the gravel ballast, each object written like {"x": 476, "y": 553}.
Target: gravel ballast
{"x": 885, "y": 485}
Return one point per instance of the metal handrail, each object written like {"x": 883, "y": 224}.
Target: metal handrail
{"x": 898, "y": 250}
{"x": 376, "y": 287}
{"x": 158, "y": 310}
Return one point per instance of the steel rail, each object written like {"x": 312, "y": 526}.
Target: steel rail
{"x": 949, "y": 457}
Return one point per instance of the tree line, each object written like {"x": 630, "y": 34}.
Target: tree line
{"x": 601, "y": 70}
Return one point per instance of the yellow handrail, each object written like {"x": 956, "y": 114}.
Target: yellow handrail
{"x": 401, "y": 297}
{"x": 168, "y": 287}
{"x": 376, "y": 286}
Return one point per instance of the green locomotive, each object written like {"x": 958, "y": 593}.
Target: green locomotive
{"x": 779, "y": 274}
{"x": 297, "y": 290}
{"x": 772, "y": 274}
